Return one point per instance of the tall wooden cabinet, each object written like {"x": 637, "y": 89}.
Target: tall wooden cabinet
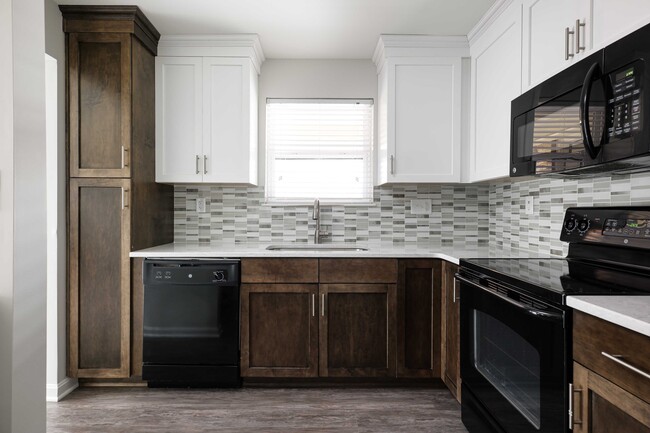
{"x": 115, "y": 206}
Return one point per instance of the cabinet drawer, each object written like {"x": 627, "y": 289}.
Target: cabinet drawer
{"x": 593, "y": 338}
{"x": 279, "y": 270}
{"x": 358, "y": 270}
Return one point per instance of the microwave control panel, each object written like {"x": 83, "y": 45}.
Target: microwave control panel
{"x": 624, "y": 105}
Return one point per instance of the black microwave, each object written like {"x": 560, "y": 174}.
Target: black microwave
{"x": 591, "y": 118}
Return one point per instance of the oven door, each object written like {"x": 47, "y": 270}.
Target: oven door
{"x": 513, "y": 360}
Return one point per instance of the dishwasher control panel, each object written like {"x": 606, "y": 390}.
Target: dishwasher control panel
{"x": 193, "y": 272}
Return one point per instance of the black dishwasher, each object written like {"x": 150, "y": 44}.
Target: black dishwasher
{"x": 191, "y": 323}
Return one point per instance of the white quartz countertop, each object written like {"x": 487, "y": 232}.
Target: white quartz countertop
{"x": 631, "y": 312}
{"x": 254, "y": 249}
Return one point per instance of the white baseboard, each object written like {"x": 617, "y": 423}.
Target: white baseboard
{"x": 56, "y": 393}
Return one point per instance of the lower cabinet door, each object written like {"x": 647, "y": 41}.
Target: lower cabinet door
{"x": 99, "y": 278}
{"x": 451, "y": 351}
{"x": 418, "y": 318}
{"x": 279, "y": 330}
{"x": 599, "y": 406}
{"x": 357, "y": 330}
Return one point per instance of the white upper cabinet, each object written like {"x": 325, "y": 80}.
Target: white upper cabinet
{"x": 614, "y": 19}
{"x": 179, "y": 139}
{"x": 206, "y": 109}
{"x": 419, "y": 108}
{"x": 495, "y": 82}
{"x": 555, "y": 34}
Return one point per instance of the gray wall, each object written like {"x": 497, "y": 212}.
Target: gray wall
{"x": 22, "y": 217}
{"x": 312, "y": 79}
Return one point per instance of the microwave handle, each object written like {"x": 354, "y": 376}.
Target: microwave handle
{"x": 585, "y": 96}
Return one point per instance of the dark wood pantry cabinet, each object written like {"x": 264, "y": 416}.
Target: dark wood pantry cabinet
{"x": 115, "y": 206}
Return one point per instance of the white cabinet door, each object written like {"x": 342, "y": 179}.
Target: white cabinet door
{"x": 613, "y": 19}
{"x": 496, "y": 81}
{"x": 546, "y": 43}
{"x": 179, "y": 146}
{"x": 423, "y": 119}
{"x": 229, "y": 108}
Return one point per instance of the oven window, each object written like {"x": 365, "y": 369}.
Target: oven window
{"x": 509, "y": 363}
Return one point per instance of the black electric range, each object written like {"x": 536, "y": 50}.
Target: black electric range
{"x": 516, "y": 328}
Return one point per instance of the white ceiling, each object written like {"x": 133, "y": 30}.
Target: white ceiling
{"x": 310, "y": 29}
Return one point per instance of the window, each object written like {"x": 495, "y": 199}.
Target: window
{"x": 319, "y": 148}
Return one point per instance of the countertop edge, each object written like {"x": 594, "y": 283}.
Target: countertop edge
{"x": 253, "y": 253}
{"x": 593, "y": 305}
{"x": 293, "y": 254}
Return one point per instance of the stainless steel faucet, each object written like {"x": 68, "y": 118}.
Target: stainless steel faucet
{"x": 318, "y": 235}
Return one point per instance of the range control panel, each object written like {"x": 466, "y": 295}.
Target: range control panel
{"x": 623, "y": 226}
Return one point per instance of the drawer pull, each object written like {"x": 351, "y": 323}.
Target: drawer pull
{"x": 617, "y": 359}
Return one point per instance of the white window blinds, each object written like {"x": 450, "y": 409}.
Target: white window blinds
{"x": 319, "y": 148}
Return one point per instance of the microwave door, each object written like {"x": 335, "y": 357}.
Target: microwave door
{"x": 548, "y": 138}
{"x": 592, "y": 111}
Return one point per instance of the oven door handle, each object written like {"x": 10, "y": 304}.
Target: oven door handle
{"x": 529, "y": 310}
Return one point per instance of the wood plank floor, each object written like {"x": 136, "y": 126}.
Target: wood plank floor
{"x": 286, "y": 410}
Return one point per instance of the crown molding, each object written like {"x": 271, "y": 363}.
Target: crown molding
{"x": 418, "y": 46}
{"x": 238, "y": 45}
{"x": 488, "y": 18}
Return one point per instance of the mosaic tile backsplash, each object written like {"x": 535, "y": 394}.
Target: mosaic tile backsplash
{"x": 510, "y": 226}
{"x": 459, "y": 217}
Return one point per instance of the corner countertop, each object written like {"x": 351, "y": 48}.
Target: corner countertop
{"x": 631, "y": 312}
{"x": 258, "y": 249}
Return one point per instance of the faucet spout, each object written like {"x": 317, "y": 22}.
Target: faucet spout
{"x": 318, "y": 234}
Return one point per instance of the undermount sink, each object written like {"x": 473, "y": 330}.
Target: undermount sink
{"x": 312, "y": 247}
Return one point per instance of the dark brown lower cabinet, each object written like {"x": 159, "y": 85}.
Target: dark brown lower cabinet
{"x": 279, "y": 330}
{"x": 600, "y": 406}
{"x": 451, "y": 326}
{"x": 100, "y": 278}
{"x": 357, "y": 330}
{"x": 418, "y": 318}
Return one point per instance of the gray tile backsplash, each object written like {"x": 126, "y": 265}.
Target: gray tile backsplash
{"x": 461, "y": 215}
{"x": 510, "y": 226}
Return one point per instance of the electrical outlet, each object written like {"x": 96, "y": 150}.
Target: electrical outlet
{"x": 200, "y": 205}
{"x": 421, "y": 207}
{"x": 530, "y": 205}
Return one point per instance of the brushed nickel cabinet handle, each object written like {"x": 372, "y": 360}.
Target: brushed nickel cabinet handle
{"x": 617, "y": 359}
{"x": 322, "y": 305}
{"x": 579, "y": 47}
{"x": 313, "y": 305}
{"x": 197, "y": 164}
{"x": 125, "y": 204}
{"x": 125, "y": 160}
{"x": 205, "y": 164}
{"x": 572, "y": 420}
{"x": 454, "y": 292}
{"x": 392, "y": 164}
{"x": 567, "y": 54}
